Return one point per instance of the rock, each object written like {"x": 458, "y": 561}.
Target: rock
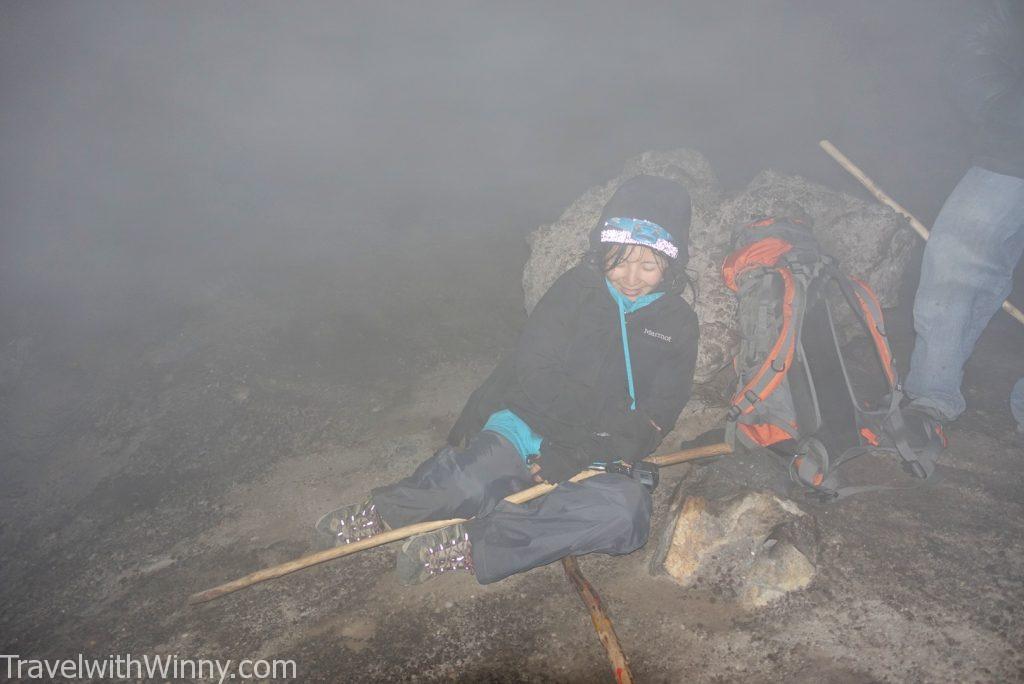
{"x": 745, "y": 547}
{"x": 774, "y": 574}
{"x": 869, "y": 241}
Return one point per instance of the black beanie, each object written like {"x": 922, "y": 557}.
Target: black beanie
{"x": 655, "y": 199}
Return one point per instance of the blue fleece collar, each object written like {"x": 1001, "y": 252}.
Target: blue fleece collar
{"x": 625, "y": 303}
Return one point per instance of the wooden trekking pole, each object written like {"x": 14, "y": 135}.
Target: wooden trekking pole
{"x": 918, "y": 227}
{"x": 602, "y": 623}
{"x": 420, "y": 528}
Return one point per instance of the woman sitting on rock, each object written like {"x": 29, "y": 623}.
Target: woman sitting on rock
{"x": 600, "y": 373}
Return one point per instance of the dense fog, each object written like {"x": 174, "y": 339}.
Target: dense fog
{"x": 151, "y": 153}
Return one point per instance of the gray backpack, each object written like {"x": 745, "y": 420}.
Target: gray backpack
{"x": 798, "y": 394}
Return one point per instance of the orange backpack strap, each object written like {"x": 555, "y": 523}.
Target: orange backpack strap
{"x": 871, "y": 309}
{"x": 773, "y": 370}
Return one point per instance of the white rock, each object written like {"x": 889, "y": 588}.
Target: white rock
{"x": 740, "y": 547}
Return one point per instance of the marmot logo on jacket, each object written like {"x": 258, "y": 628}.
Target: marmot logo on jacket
{"x": 660, "y": 336}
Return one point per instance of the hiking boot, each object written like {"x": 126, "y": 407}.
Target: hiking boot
{"x": 433, "y": 553}
{"x": 348, "y": 524}
{"x": 923, "y": 429}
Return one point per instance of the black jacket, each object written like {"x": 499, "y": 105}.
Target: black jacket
{"x": 988, "y": 82}
{"x": 566, "y": 377}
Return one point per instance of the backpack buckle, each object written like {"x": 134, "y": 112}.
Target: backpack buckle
{"x": 822, "y": 496}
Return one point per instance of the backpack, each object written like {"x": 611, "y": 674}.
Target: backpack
{"x": 799, "y": 394}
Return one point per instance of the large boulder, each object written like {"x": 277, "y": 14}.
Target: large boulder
{"x": 744, "y": 548}
{"x": 869, "y": 241}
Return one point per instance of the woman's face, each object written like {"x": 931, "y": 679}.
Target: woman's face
{"x": 638, "y": 272}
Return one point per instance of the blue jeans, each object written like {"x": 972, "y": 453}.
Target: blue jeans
{"x": 966, "y": 274}
{"x": 1017, "y": 404}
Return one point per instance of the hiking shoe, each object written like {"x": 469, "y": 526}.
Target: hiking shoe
{"x": 433, "y": 553}
{"x": 924, "y": 430}
{"x": 348, "y": 524}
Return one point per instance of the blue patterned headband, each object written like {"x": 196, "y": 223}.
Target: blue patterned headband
{"x": 631, "y": 231}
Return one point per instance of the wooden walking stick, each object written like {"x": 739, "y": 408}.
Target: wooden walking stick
{"x": 918, "y": 227}
{"x": 602, "y": 623}
{"x": 420, "y": 528}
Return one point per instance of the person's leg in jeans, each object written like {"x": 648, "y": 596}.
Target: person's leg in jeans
{"x": 606, "y": 514}
{"x": 1017, "y": 404}
{"x": 965, "y": 276}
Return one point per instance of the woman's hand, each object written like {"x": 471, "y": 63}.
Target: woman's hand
{"x": 633, "y": 435}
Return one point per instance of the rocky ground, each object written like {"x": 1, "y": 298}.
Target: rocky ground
{"x": 131, "y": 482}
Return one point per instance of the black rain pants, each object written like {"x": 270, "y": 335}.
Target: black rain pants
{"x": 606, "y": 513}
